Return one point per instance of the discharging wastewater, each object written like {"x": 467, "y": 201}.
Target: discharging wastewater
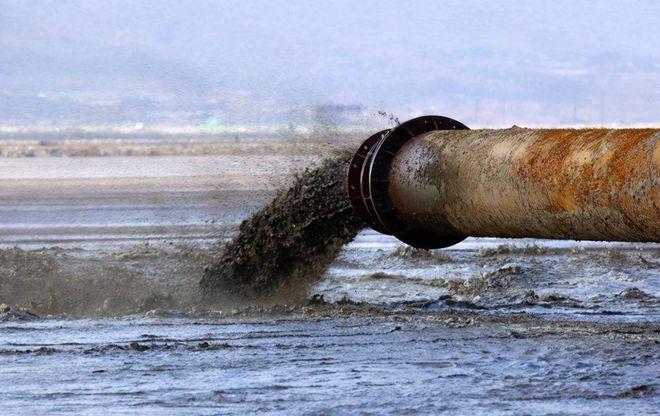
{"x": 104, "y": 315}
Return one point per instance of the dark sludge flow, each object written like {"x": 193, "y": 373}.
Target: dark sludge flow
{"x": 289, "y": 243}
{"x": 431, "y": 182}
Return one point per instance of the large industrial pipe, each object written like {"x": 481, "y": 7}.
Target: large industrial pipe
{"x": 431, "y": 182}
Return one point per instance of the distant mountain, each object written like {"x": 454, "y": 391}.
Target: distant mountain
{"x": 483, "y": 62}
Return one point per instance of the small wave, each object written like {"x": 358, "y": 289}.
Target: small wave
{"x": 507, "y": 280}
{"x": 635, "y": 294}
{"x": 411, "y": 253}
{"x": 504, "y": 249}
{"x": 7, "y": 313}
{"x": 138, "y": 279}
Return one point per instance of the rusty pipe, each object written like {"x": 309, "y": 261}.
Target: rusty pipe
{"x": 431, "y": 182}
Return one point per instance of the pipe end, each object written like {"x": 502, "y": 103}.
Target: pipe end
{"x": 368, "y": 179}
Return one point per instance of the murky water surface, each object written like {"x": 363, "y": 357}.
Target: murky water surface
{"x": 402, "y": 364}
{"x": 488, "y": 326}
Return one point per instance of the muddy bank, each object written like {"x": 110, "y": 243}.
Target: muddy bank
{"x": 289, "y": 243}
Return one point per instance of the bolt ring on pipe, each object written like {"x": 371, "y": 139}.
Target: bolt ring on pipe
{"x": 358, "y": 178}
{"x": 367, "y": 181}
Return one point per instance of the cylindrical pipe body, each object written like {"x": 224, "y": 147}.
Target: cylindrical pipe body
{"x": 584, "y": 184}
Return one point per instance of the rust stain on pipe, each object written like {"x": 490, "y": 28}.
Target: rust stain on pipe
{"x": 443, "y": 185}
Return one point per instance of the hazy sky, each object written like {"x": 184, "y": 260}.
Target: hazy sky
{"x": 482, "y": 62}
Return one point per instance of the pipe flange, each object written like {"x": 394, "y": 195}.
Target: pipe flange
{"x": 357, "y": 180}
{"x": 373, "y": 162}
